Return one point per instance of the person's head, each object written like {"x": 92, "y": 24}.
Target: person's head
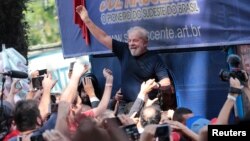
{"x": 6, "y": 117}
{"x": 181, "y": 114}
{"x": 26, "y": 115}
{"x": 137, "y": 40}
{"x": 150, "y": 115}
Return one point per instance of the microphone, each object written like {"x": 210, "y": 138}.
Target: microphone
{"x": 16, "y": 74}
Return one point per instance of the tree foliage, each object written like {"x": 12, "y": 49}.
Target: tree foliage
{"x": 42, "y": 19}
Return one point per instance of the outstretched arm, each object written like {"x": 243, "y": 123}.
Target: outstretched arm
{"x": 106, "y": 94}
{"x": 146, "y": 87}
{"x": 98, "y": 33}
{"x": 229, "y": 103}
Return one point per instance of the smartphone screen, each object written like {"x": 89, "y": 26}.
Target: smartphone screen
{"x": 163, "y": 132}
{"x": 42, "y": 72}
{"x": 37, "y": 82}
{"x": 132, "y": 132}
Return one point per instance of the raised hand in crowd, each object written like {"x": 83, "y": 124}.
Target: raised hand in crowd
{"x": 48, "y": 83}
{"x": 106, "y": 94}
{"x": 234, "y": 91}
{"x": 147, "y": 86}
{"x": 81, "y": 10}
{"x": 142, "y": 97}
{"x": 13, "y": 91}
{"x": 116, "y": 102}
{"x": 88, "y": 87}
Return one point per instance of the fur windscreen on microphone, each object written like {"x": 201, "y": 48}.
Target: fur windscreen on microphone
{"x": 234, "y": 61}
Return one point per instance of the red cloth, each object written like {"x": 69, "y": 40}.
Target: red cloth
{"x": 176, "y": 136}
{"x": 78, "y": 20}
{"x": 11, "y": 134}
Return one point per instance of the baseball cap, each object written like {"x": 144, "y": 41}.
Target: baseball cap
{"x": 195, "y": 123}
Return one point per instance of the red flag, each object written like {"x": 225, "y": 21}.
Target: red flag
{"x": 78, "y": 20}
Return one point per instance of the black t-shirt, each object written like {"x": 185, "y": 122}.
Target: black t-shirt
{"x": 135, "y": 70}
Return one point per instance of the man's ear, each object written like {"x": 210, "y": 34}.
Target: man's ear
{"x": 39, "y": 121}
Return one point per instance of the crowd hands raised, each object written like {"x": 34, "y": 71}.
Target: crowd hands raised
{"x": 80, "y": 115}
{"x": 73, "y": 119}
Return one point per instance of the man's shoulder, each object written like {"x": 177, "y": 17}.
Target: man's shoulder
{"x": 152, "y": 56}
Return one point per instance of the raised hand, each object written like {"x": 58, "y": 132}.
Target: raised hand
{"x": 79, "y": 69}
{"x": 234, "y": 82}
{"x": 81, "y": 10}
{"x": 88, "y": 86}
{"x": 147, "y": 86}
{"x": 107, "y": 72}
{"x": 48, "y": 82}
{"x": 14, "y": 90}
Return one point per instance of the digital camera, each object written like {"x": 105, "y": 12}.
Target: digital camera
{"x": 225, "y": 75}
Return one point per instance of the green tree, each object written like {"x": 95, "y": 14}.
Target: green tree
{"x": 43, "y": 22}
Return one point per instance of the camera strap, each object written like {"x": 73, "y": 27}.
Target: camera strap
{"x": 235, "y": 90}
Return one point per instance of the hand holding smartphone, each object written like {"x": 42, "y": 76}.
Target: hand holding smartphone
{"x": 132, "y": 132}
{"x": 37, "y": 81}
{"x": 163, "y": 132}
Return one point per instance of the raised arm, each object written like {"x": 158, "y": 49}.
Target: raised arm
{"x": 98, "y": 33}
{"x": 229, "y": 103}
{"x": 89, "y": 89}
{"x": 146, "y": 87}
{"x": 70, "y": 92}
{"x": 106, "y": 94}
{"x": 48, "y": 84}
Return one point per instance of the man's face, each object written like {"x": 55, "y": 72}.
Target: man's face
{"x": 137, "y": 45}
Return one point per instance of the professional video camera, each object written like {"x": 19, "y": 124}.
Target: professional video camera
{"x": 235, "y": 71}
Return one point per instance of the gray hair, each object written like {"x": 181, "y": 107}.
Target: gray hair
{"x": 143, "y": 33}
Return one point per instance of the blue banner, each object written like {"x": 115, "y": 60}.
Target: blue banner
{"x": 171, "y": 23}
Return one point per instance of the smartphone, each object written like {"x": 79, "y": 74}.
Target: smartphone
{"x": 37, "y": 82}
{"x": 163, "y": 132}
{"x": 71, "y": 66}
{"x": 132, "y": 132}
{"x": 18, "y": 85}
{"x": 42, "y": 72}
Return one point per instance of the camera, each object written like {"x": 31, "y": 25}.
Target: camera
{"x": 234, "y": 62}
{"x": 225, "y": 75}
